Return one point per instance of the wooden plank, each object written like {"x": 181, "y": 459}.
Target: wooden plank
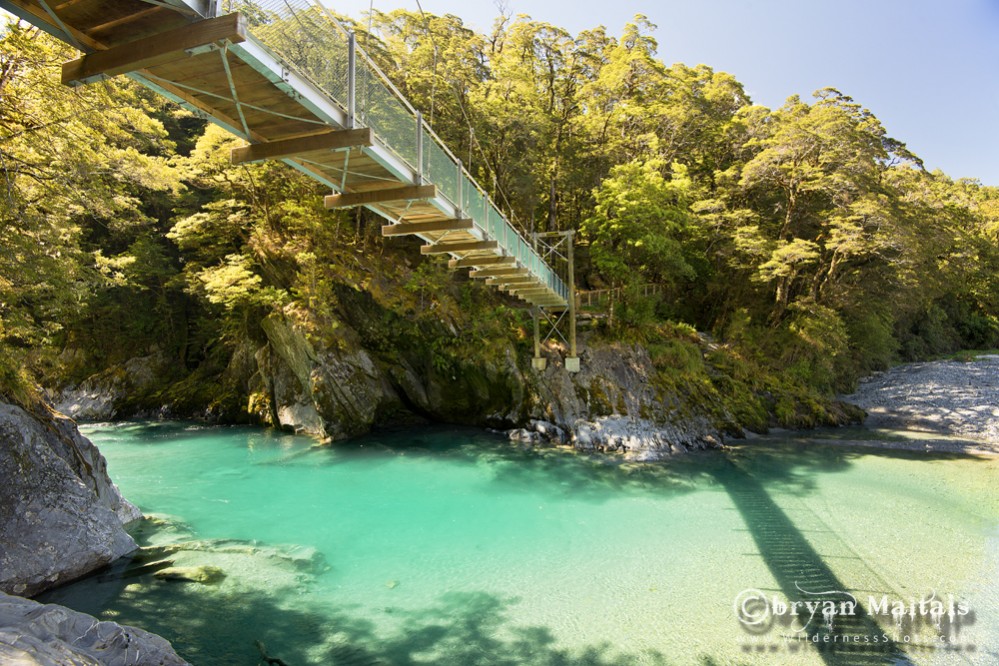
{"x": 41, "y": 18}
{"x": 130, "y": 18}
{"x": 474, "y": 262}
{"x": 530, "y": 291}
{"x": 506, "y": 271}
{"x": 408, "y": 193}
{"x": 471, "y": 246}
{"x": 154, "y": 50}
{"x": 275, "y": 150}
{"x": 426, "y": 227}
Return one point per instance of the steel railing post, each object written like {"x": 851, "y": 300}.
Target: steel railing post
{"x": 419, "y": 148}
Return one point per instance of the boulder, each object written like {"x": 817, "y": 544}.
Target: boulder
{"x": 61, "y": 517}
{"x": 33, "y": 634}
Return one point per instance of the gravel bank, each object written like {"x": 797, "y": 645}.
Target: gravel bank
{"x": 949, "y": 399}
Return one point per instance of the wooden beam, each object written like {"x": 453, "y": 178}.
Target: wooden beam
{"x": 128, "y": 18}
{"x": 510, "y": 281}
{"x": 276, "y": 150}
{"x": 508, "y": 271}
{"x": 408, "y": 193}
{"x": 154, "y": 50}
{"x": 521, "y": 291}
{"x": 470, "y": 246}
{"x": 474, "y": 262}
{"x": 426, "y": 227}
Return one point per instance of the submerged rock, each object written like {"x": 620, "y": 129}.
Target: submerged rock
{"x": 61, "y": 517}
{"x": 305, "y": 559}
{"x": 204, "y": 574}
{"x": 32, "y": 634}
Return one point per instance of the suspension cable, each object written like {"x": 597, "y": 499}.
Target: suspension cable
{"x": 473, "y": 139}
{"x": 433, "y": 80}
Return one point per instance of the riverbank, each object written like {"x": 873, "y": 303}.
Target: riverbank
{"x": 943, "y": 406}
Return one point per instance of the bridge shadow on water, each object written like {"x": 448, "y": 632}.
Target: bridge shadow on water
{"x": 803, "y": 575}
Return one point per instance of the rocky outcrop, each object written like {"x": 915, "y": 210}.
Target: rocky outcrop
{"x": 332, "y": 390}
{"x": 336, "y": 388}
{"x": 111, "y": 393}
{"x": 615, "y": 404}
{"x": 32, "y": 634}
{"x": 61, "y": 517}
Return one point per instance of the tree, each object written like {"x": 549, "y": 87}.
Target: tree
{"x": 640, "y": 223}
{"x": 77, "y": 163}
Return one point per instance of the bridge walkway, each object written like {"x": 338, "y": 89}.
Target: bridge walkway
{"x": 289, "y": 79}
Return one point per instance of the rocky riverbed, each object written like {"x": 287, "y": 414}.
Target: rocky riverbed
{"x": 954, "y": 405}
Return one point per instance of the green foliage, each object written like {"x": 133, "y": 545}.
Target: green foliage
{"x": 639, "y": 225}
{"x": 818, "y": 339}
{"x": 873, "y": 345}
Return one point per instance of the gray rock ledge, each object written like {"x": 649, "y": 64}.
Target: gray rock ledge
{"x": 32, "y": 634}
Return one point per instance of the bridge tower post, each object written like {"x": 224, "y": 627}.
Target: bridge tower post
{"x": 549, "y": 245}
{"x": 572, "y": 360}
{"x": 539, "y": 362}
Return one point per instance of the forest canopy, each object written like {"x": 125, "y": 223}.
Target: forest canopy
{"x": 804, "y": 237}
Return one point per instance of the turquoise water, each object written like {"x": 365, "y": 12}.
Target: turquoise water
{"x": 456, "y": 547}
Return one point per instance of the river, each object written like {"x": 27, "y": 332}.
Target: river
{"x": 453, "y": 546}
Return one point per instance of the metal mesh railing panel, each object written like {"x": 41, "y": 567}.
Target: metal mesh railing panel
{"x": 309, "y": 39}
{"x": 381, "y": 110}
{"x": 440, "y": 169}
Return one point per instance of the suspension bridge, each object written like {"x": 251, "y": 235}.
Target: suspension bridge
{"x": 290, "y": 79}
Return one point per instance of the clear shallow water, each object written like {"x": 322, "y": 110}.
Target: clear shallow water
{"x": 455, "y": 547}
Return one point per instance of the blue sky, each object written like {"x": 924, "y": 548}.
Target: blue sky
{"x": 929, "y": 69}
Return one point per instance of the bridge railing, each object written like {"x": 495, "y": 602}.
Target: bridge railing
{"x": 310, "y": 39}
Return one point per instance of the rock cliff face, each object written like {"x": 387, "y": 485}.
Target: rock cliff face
{"x": 616, "y": 404}
{"x": 341, "y": 389}
{"x": 341, "y": 377}
{"x": 335, "y": 391}
{"x": 32, "y": 634}
{"x": 61, "y": 517}
{"x": 112, "y": 393}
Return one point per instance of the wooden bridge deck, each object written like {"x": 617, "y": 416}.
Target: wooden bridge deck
{"x": 217, "y": 67}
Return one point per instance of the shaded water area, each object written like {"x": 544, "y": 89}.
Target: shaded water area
{"x": 449, "y": 546}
